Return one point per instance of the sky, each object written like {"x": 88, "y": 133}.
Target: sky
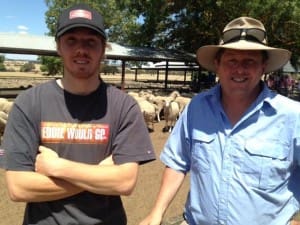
{"x": 23, "y": 17}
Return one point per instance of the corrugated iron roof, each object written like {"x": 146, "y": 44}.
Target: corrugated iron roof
{"x": 45, "y": 45}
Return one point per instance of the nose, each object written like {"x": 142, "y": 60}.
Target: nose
{"x": 81, "y": 47}
{"x": 241, "y": 67}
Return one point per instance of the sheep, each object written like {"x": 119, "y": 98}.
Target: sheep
{"x": 149, "y": 112}
{"x": 171, "y": 113}
{"x": 5, "y": 107}
{"x": 182, "y": 101}
{"x": 147, "y": 108}
{"x": 159, "y": 102}
{"x": 174, "y": 94}
{"x": 3, "y": 119}
{"x": 133, "y": 94}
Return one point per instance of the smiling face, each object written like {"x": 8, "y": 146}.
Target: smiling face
{"x": 82, "y": 50}
{"x": 240, "y": 72}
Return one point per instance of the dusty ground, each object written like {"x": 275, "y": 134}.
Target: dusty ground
{"x": 137, "y": 205}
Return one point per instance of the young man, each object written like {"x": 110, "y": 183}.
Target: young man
{"x": 73, "y": 145}
{"x": 239, "y": 141}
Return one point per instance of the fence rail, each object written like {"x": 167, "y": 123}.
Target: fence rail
{"x": 11, "y": 93}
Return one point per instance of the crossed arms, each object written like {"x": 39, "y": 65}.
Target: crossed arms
{"x": 56, "y": 178}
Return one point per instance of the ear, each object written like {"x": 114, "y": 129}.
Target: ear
{"x": 264, "y": 67}
{"x": 216, "y": 62}
{"x": 58, "y": 48}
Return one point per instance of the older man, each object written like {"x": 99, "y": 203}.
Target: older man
{"x": 239, "y": 141}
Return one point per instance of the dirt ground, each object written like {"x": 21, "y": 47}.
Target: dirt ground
{"x": 137, "y": 205}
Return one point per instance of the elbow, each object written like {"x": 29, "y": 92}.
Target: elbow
{"x": 125, "y": 182}
{"x": 14, "y": 190}
{"x": 127, "y": 187}
{"x": 15, "y": 195}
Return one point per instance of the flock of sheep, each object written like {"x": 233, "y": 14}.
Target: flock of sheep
{"x": 5, "y": 106}
{"x": 154, "y": 107}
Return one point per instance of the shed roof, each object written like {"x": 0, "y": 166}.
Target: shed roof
{"x": 45, "y": 45}
{"x": 288, "y": 68}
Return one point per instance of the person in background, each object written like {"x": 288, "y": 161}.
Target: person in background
{"x": 239, "y": 141}
{"x": 72, "y": 146}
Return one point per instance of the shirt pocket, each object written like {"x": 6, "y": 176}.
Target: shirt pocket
{"x": 202, "y": 147}
{"x": 265, "y": 163}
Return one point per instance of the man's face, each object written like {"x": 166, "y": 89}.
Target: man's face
{"x": 82, "y": 50}
{"x": 240, "y": 71}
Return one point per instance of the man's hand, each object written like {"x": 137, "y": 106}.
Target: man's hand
{"x": 46, "y": 160}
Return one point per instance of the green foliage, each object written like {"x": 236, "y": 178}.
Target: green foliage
{"x": 108, "y": 69}
{"x": 187, "y": 25}
{"x": 50, "y": 64}
{"x": 2, "y": 66}
{"x": 27, "y": 67}
{"x": 2, "y": 59}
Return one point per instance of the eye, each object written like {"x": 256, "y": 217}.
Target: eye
{"x": 71, "y": 41}
{"x": 232, "y": 63}
{"x": 92, "y": 43}
{"x": 249, "y": 63}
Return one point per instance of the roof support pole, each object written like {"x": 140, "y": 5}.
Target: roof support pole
{"x": 123, "y": 76}
{"x": 135, "y": 74}
{"x": 167, "y": 74}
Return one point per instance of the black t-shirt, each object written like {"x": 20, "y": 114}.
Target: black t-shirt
{"x": 80, "y": 128}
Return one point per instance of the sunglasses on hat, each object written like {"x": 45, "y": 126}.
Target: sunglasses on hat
{"x": 251, "y": 34}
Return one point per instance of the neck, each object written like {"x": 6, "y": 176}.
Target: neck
{"x": 236, "y": 106}
{"x": 79, "y": 86}
{"x": 235, "y": 109}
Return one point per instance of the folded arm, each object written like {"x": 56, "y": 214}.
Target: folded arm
{"x": 28, "y": 186}
{"x": 105, "y": 178}
{"x": 56, "y": 178}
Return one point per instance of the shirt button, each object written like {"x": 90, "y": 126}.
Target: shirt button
{"x": 222, "y": 222}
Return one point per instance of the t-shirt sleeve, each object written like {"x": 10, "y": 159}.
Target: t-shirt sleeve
{"x": 132, "y": 142}
{"x": 20, "y": 142}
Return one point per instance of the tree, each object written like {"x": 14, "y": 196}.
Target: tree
{"x": 2, "y": 66}
{"x": 187, "y": 25}
{"x": 27, "y": 67}
{"x": 50, "y": 64}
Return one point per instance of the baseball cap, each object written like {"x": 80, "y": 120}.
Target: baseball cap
{"x": 80, "y": 15}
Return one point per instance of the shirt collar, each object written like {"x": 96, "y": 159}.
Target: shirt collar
{"x": 266, "y": 96}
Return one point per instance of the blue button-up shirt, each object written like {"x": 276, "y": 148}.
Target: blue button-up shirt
{"x": 241, "y": 174}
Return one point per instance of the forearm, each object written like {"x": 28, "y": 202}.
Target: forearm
{"x": 170, "y": 184}
{"x": 34, "y": 187}
{"x": 99, "y": 179}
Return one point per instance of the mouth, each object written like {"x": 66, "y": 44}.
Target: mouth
{"x": 239, "y": 80}
{"x": 81, "y": 61}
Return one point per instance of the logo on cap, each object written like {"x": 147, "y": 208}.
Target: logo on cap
{"x": 80, "y": 13}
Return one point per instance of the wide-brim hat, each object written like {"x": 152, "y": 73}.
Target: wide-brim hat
{"x": 257, "y": 40}
{"x": 80, "y": 15}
